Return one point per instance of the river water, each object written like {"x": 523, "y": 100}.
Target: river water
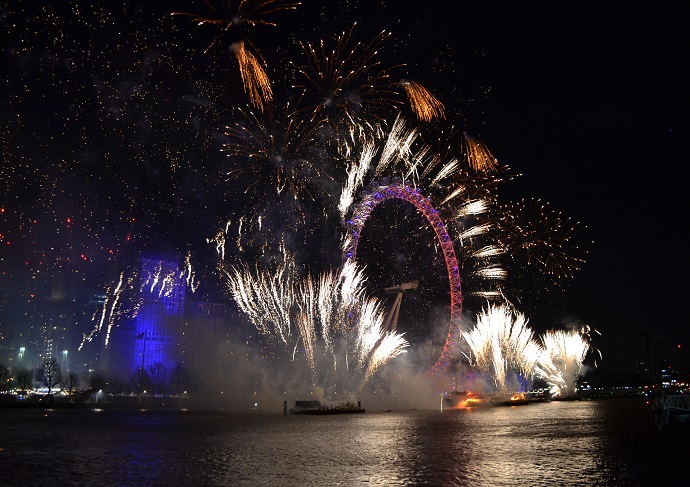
{"x": 606, "y": 442}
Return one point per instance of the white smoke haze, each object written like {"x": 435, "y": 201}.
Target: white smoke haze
{"x": 237, "y": 375}
{"x": 245, "y": 371}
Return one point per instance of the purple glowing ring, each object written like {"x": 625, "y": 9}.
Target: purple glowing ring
{"x": 378, "y": 195}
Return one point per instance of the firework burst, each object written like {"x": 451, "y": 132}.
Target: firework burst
{"x": 232, "y": 20}
{"x": 542, "y": 236}
{"x": 352, "y": 93}
{"x": 272, "y": 153}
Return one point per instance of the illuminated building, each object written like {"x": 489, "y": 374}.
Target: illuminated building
{"x": 159, "y": 324}
{"x": 152, "y": 330}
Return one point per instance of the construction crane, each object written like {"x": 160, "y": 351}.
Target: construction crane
{"x": 390, "y": 322}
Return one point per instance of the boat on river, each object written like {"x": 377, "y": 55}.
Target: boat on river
{"x": 468, "y": 399}
{"x": 316, "y": 408}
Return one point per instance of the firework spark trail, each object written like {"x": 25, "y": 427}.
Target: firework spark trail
{"x": 351, "y": 92}
{"x": 326, "y": 307}
{"x": 369, "y": 331}
{"x": 390, "y": 346}
{"x": 473, "y": 207}
{"x": 560, "y": 362}
{"x": 486, "y": 252}
{"x": 219, "y": 241}
{"x": 454, "y": 194}
{"x": 113, "y": 307}
{"x": 398, "y": 146}
{"x": 189, "y": 274}
{"x": 500, "y": 343}
{"x": 265, "y": 299}
{"x": 355, "y": 177}
{"x": 274, "y": 149}
{"x": 474, "y": 231}
{"x": 116, "y": 299}
{"x": 447, "y": 171}
{"x": 254, "y": 79}
{"x": 478, "y": 155}
{"x": 493, "y": 272}
{"x": 165, "y": 281}
{"x": 304, "y": 320}
{"x": 351, "y": 286}
{"x": 425, "y": 105}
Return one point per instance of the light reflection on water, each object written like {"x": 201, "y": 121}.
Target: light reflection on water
{"x": 559, "y": 443}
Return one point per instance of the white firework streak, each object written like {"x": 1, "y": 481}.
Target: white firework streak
{"x": 352, "y": 281}
{"x": 501, "y": 342}
{"x": 239, "y": 234}
{"x": 219, "y": 241}
{"x": 487, "y": 252}
{"x": 430, "y": 161}
{"x": 328, "y": 307}
{"x": 188, "y": 273}
{"x": 305, "y": 322}
{"x": 492, "y": 272}
{"x": 473, "y": 207}
{"x": 332, "y": 308}
{"x": 422, "y": 158}
{"x": 369, "y": 331}
{"x": 116, "y": 299}
{"x": 112, "y": 309}
{"x": 355, "y": 176}
{"x": 474, "y": 231}
{"x": 560, "y": 363}
{"x": 446, "y": 171}
{"x": 487, "y": 294}
{"x": 390, "y": 346}
{"x": 166, "y": 280}
{"x": 398, "y": 146}
{"x": 265, "y": 299}
{"x": 454, "y": 194}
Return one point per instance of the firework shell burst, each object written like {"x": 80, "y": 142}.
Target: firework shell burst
{"x": 233, "y": 20}
{"x": 352, "y": 94}
{"x": 543, "y": 237}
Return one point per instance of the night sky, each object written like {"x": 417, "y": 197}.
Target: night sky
{"x": 113, "y": 121}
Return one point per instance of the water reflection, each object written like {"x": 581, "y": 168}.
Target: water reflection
{"x": 568, "y": 443}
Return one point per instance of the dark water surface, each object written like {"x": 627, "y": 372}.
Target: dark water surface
{"x": 607, "y": 442}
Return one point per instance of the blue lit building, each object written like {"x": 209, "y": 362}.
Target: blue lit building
{"x": 159, "y": 324}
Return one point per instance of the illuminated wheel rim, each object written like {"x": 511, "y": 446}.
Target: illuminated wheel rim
{"x": 359, "y": 218}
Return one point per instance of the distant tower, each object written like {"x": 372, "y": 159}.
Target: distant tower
{"x": 159, "y": 323}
